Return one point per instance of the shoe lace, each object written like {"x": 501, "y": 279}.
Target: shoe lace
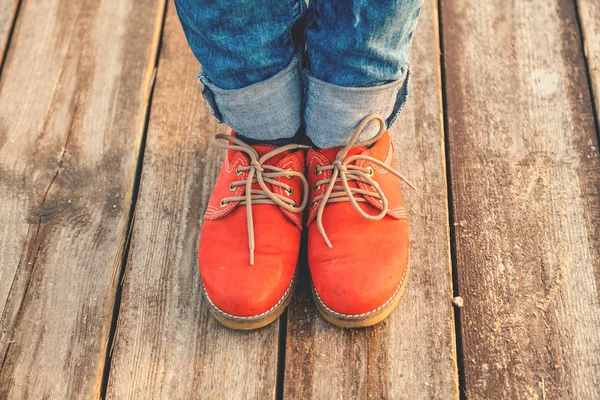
{"x": 343, "y": 172}
{"x": 262, "y": 174}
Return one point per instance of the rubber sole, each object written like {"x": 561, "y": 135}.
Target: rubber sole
{"x": 361, "y": 320}
{"x": 255, "y": 321}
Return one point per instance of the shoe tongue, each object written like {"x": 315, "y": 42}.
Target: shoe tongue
{"x": 263, "y": 149}
{"x": 332, "y": 152}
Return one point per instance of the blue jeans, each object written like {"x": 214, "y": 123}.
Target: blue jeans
{"x": 271, "y": 66}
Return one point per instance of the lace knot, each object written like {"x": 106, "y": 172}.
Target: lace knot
{"x": 339, "y": 168}
{"x": 257, "y": 166}
{"x": 263, "y": 195}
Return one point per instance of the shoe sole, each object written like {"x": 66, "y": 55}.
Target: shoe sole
{"x": 361, "y": 320}
{"x": 253, "y": 321}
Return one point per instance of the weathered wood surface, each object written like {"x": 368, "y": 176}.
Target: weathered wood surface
{"x": 589, "y": 17}
{"x": 525, "y": 188}
{"x": 73, "y": 99}
{"x": 412, "y": 354}
{"x": 525, "y": 175}
{"x": 8, "y": 12}
{"x": 167, "y": 344}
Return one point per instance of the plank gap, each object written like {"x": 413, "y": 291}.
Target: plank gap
{"x": 71, "y": 172}
{"x": 451, "y": 220}
{"x": 166, "y": 344}
{"x": 35, "y": 236}
{"x": 281, "y": 356}
{"x": 301, "y": 269}
{"x": 522, "y": 146}
{"x": 594, "y": 97}
{"x": 9, "y": 34}
{"x": 27, "y": 285}
{"x": 413, "y": 352}
{"x": 131, "y": 216}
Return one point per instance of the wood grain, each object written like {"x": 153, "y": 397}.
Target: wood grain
{"x": 167, "y": 344}
{"x": 73, "y": 99}
{"x": 589, "y": 18}
{"x": 525, "y": 175}
{"x": 412, "y": 354}
{"x": 8, "y": 13}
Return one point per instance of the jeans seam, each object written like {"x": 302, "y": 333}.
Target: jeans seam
{"x": 401, "y": 97}
{"x": 347, "y": 105}
{"x": 209, "y": 96}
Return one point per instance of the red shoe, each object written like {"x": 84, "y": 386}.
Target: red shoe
{"x": 358, "y": 238}
{"x": 250, "y": 239}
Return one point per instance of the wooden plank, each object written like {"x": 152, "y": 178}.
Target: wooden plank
{"x": 73, "y": 99}
{"x": 9, "y": 249}
{"x": 8, "y": 13}
{"x": 526, "y": 196}
{"x": 589, "y": 17}
{"x": 412, "y": 354}
{"x": 167, "y": 344}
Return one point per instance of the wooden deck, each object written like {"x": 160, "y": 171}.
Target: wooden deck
{"x": 106, "y": 166}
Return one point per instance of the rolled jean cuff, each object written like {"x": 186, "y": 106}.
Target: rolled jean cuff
{"x": 333, "y": 111}
{"x": 267, "y": 110}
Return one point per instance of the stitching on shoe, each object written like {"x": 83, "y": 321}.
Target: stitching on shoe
{"x": 213, "y": 212}
{"x": 388, "y": 157}
{"x": 237, "y": 159}
{"x": 293, "y": 161}
{"x": 399, "y": 212}
{"x": 377, "y": 167}
{"x": 314, "y": 155}
{"x": 329, "y": 310}
{"x": 240, "y": 318}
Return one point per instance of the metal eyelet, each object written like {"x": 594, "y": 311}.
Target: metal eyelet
{"x": 370, "y": 171}
{"x": 231, "y": 187}
{"x": 316, "y": 187}
{"x": 290, "y": 176}
{"x": 289, "y": 192}
{"x": 317, "y": 171}
{"x": 238, "y": 172}
{"x": 222, "y": 204}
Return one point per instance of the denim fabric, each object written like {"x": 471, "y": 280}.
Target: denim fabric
{"x": 240, "y": 42}
{"x": 360, "y": 43}
{"x": 333, "y": 111}
{"x": 267, "y": 110}
{"x": 355, "y": 63}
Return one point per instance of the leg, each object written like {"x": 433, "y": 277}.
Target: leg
{"x": 357, "y": 54}
{"x": 358, "y": 238}
{"x": 250, "y": 74}
{"x": 251, "y": 79}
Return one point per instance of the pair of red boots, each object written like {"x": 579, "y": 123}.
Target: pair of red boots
{"x": 358, "y": 238}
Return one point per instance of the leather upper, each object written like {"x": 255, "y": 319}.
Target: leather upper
{"x": 231, "y": 283}
{"x": 367, "y": 263}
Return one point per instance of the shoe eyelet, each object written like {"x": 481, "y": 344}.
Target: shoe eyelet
{"x": 316, "y": 187}
{"x": 238, "y": 172}
{"x": 317, "y": 171}
{"x": 313, "y": 203}
{"x": 370, "y": 171}
{"x": 231, "y": 187}
{"x": 289, "y": 192}
{"x": 222, "y": 204}
{"x": 290, "y": 176}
